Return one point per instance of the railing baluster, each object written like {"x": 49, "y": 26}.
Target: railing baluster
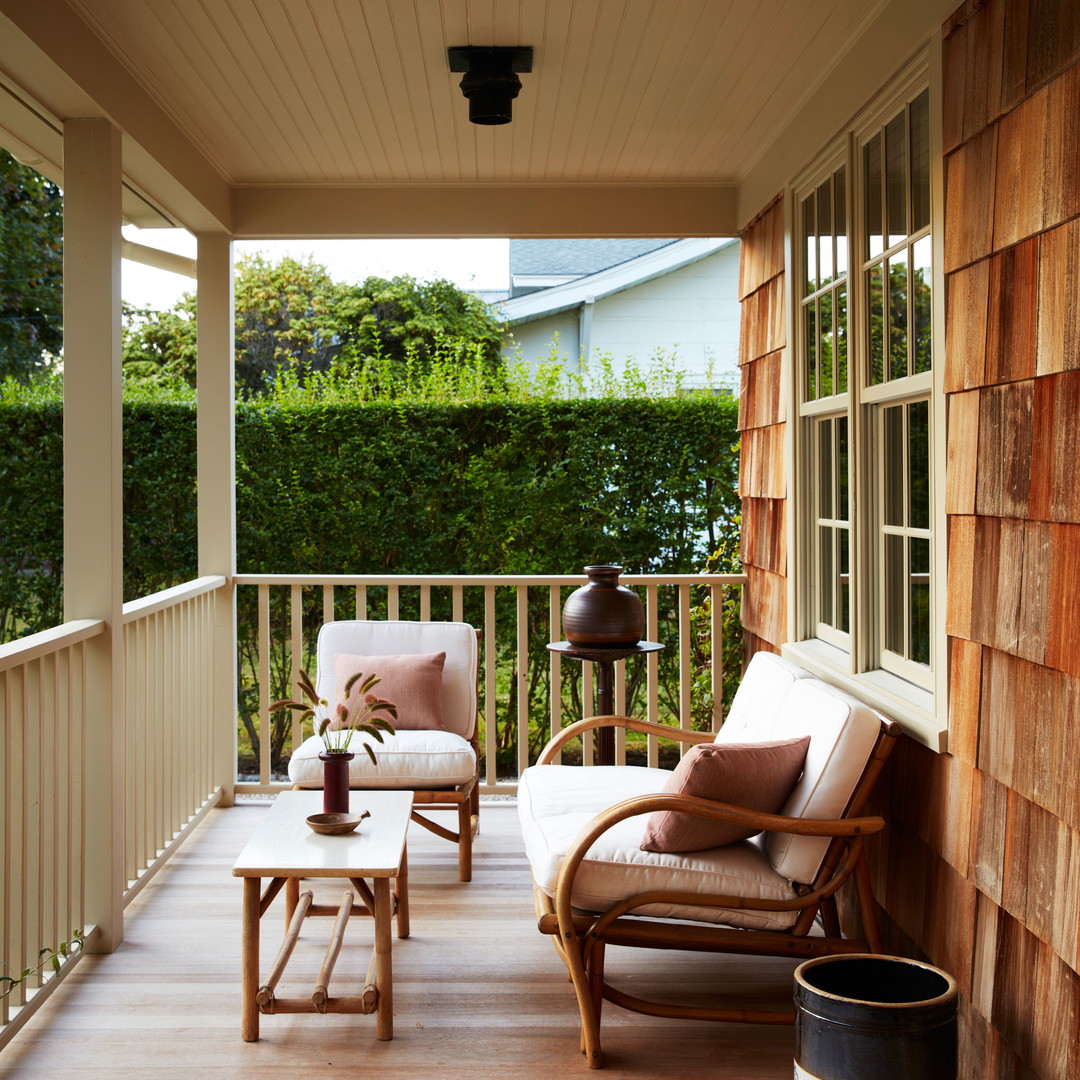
{"x": 652, "y": 673}
{"x": 425, "y": 603}
{"x": 491, "y": 704}
{"x": 328, "y": 614}
{"x": 716, "y": 641}
{"x": 361, "y": 601}
{"x": 392, "y": 602}
{"x": 457, "y": 613}
{"x": 261, "y": 722}
{"x": 296, "y": 651}
{"x": 619, "y": 705}
{"x": 554, "y": 664}
{"x": 686, "y": 645}
{"x": 522, "y": 678}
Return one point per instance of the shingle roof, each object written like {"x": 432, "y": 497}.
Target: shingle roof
{"x": 578, "y": 257}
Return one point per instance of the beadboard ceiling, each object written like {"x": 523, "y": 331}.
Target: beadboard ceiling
{"x": 267, "y": 95}
{"x": 347, "y": 91}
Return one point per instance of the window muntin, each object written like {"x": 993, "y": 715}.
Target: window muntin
{"x": 825, "y": 288}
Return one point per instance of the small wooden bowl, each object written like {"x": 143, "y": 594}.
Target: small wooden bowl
{"x": 334, "y": 824}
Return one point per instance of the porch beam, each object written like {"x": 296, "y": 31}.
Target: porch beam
{"x": 93, "y": 493}
{"x": 262, "y": 212}
{"x": 217, "y": 483}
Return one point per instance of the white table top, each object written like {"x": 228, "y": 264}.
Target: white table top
{"x": 285, "y": 846}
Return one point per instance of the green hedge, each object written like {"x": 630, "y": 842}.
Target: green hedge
{"x": 516, "y": 488}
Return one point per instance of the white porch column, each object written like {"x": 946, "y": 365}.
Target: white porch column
{"x": 217, "y": 483}
{"x": 93, "y": 493}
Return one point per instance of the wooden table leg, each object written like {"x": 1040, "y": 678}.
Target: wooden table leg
{"x": 292, "y": 898}
{"x": 249, "y": 961}
{"x": 401, "y": 890}
{"x": 384, "y": 976}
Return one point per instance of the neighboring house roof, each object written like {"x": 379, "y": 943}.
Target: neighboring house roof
{"x": 575, "y": 257}
{"x": 673, "y": 255}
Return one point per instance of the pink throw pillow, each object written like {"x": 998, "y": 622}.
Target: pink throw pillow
{"x": 412, "y": 681}
{"x": 755, "y": 776}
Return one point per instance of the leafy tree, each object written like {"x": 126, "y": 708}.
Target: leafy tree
{"x": 403, "y": 321}
{"x": 31, "y": 269}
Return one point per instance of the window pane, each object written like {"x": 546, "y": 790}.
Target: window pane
{"x": 896, "y": 179}
{"x": 825, "y": 469}
{"x": 826, "y": 576}
{"x": 841, "y": 469}
{"x": 841, "y": 340}
{"x": 920, "y": 304}
{"x": 876, "y": 344}
{"x": 920, "y": 600}
{"x": 840, "y": 219}
{"x": 825, "y": 350}
{"x": 825, "y": 232}
{"x": 811, "y": 351}
{"x": 892, "y": 497}
{"x": 920, "y": 161}
{"x": 872, "y": 196}
{"x": 895, "y": 581}
{"x": 919, "y": 465}
{"x": 898, "y": 316}
{"x": 843, "y": 620}
{"x": 811, "y": 246}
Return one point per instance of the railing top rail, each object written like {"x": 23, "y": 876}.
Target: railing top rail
{"x": 481, "y": 579}
{"x": 34, "y": 646}
{"x": 178, "y": 594}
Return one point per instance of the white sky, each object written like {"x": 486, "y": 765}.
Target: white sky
{"x": 472, "y": 264}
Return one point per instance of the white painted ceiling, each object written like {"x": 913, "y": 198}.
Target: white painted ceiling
{"x": 359, "y": 91}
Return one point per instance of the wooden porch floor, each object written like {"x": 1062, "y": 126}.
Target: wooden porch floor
{"x": 478, "y": 991}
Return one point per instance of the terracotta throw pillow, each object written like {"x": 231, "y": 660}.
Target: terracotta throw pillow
{"x": 412, "y": 681}
{"x": 755, "y": 776}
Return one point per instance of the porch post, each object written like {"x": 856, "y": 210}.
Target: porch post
{"x": 217, "y": 484}
{"x": 93, "y": 494}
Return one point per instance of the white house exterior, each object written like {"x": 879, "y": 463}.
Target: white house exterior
{"x": 677, "y": 303}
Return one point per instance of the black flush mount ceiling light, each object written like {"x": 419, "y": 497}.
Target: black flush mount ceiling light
{"x": 491, "y": 79}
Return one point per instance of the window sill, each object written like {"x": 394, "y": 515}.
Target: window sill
{"x": 910, "y": 706}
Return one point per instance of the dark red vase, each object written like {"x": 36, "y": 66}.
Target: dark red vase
{"x": 603, "y": 613}
{"x": 335, "y": 797}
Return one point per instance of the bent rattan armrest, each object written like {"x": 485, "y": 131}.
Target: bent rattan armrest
{"x": 627, "y": 723}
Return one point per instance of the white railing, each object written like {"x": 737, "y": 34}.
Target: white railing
{"x": 172, "y": 737}
{"x": 277, "y": 636}
{"x": 169, "y": 719}
{"x": 43, "y": 785}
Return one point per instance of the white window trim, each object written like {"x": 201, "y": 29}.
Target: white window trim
{"x": 922, "y": 712}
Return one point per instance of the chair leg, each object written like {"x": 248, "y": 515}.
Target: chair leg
{"x": 867, "y": 907}
{"x": 465, "y": 835}
{"x": 590, "y": 1021}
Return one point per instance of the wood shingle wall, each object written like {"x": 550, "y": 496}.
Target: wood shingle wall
{"x": 762, "y": 416}
{"x": 979, "y": 868}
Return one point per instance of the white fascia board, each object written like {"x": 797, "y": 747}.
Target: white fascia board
{"x": 614, "y": 279}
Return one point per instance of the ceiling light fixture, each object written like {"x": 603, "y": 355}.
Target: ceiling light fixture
{"x": 491, "y": 79}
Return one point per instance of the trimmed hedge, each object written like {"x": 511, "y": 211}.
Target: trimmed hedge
{"x": 499, "y": 487}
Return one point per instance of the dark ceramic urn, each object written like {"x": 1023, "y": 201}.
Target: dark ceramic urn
{"x": 603, "y": 613}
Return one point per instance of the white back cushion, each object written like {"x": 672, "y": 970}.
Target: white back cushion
{"x": 842, "y": 734}
{"x": 371, "y": 638}
{"x": 758, "y": 702}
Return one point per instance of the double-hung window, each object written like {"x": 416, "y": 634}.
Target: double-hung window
{"x": 868, "y": 505}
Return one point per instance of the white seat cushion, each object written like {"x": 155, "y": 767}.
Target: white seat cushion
{"x": 758, "y": 703}
{"x": 555, "y": 802}
{"x": 408, "y": 759}
{"x": 843, "y": 732}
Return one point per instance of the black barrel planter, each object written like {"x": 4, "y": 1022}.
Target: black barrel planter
{"x": 869, "y": 1017}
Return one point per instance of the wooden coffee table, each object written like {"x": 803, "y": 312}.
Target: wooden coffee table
{"x": 284, "y": 849}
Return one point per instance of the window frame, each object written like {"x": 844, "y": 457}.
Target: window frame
{"x": 908, "y": 691}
